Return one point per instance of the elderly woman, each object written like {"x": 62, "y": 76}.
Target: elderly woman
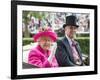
{"x": 41, "y": 55}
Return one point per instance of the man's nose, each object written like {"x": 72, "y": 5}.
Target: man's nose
{"x": 74, "y": 29}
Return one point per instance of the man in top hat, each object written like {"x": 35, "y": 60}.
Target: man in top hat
{"x": 68, "y": 51}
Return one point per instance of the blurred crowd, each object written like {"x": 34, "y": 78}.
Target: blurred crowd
{"x": 56, "y": 21}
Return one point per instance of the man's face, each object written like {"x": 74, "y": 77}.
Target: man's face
{"x": 45, "y": 42}
{"x": 70, "y": 31}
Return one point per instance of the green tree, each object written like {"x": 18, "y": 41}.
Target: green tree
{"x": 25, "y": 21}
{"x": 27, "y": 17}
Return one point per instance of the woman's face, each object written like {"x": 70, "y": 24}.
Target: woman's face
{"x": 45, "y": 42}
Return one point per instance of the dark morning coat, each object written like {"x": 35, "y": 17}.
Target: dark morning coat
{"x": 64, "y": 53}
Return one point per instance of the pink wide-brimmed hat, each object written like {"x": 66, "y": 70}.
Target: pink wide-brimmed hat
{"x": 45, "y": 32}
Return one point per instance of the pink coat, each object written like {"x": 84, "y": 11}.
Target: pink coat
{"x": 38, "y": 58}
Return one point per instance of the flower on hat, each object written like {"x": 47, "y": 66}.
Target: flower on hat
{"x": 45, "y": 31}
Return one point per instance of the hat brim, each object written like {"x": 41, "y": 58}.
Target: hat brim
{"x": 70, "y": 25}
{"x": 52, "y": 35}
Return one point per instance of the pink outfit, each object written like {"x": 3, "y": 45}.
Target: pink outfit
{"x": 39, "y": 58}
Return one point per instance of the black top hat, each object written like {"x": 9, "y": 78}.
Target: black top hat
{"x": 71, "y": 21}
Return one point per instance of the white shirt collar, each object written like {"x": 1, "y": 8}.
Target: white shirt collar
{"x": 69, "y": 40}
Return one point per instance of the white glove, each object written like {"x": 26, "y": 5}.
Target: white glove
{"x": 52, "y": 54}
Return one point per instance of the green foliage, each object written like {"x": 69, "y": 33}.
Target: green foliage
{"x": 84, "y": 44}
{"x": 25, "y": 18}
{"x": 27, "y": 41}
{"x": 35, "y": 14}
{"x": 81, "y": 35}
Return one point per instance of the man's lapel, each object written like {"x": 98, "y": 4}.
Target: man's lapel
{"x": 68, "y": 48}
